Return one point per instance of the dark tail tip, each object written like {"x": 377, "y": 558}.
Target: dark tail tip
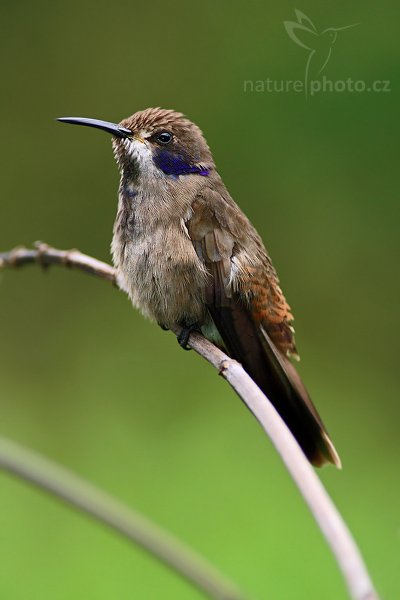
{"x": 326, "y": 454}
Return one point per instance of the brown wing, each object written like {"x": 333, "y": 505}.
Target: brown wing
{"x": 252, "y": 316}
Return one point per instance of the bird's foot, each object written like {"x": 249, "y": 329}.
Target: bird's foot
{"x": 183, "y": 337}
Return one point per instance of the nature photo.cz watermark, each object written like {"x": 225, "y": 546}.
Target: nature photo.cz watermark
{"x": 319, "y": 45}
{"x": 315, "y": 86}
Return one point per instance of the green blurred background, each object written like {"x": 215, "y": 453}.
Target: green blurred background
{"x": 87, "y": 381}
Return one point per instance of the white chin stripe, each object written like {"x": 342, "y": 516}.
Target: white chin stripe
{"x": 141, "y": 154}
{"x": 139, "y": 151}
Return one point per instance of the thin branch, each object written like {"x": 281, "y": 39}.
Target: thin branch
{"x": 45, "y": 256}
{"x": 320, "y": 504}
{"x": 56, "y": 480}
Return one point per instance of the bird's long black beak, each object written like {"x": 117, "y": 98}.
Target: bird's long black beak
{"x": 112, "y": 128}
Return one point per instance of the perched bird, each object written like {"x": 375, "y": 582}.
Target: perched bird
{"x": 187, "y": 255}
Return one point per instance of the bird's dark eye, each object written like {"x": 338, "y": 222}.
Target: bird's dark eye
{"x": 164, "y": 138}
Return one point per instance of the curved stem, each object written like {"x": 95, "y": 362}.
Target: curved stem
{"x": 326, "y": 514}
{"x": 73, "y": 490}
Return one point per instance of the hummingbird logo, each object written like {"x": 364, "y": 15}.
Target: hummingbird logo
{"x": 319, "y": 44}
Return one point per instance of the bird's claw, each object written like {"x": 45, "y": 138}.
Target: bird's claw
{"x": 183, "y": 337}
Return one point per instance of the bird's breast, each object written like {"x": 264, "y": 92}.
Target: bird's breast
{"x": 160, "y": 271}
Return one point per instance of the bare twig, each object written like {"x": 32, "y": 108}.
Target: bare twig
{"x": 72, "y": 489}
{"x": 45, "y": 256}
{"x": 324, "y": 511}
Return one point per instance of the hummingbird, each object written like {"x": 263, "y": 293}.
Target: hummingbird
{"x": 319, "y": 44}
{"x": 187, "y": 255}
